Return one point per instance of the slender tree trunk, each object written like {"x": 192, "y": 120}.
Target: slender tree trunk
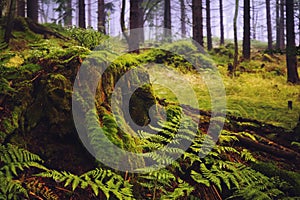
{"x": 167, "y": 20}
{"x": 282, "y": 25}
{"x": 81, "y": 14}
{"x": 299, "y": 21}
{"x": 208, "y": 26}
{"x": 277, "y": 24}
{"x": 269, "y": 26}
{"x": 21, "y": 8}
{"x": 89, "y": 13}
{"x": 291, "y": 51}
{"x": 141, "y": 22}
{"x": 236, "y": 50}
{"x": 101, "y": 16}
{"x": 222, "y": 40}
{"x": 10, "y": 19}
{"x": 197, "y": 21}
{"x": 254, "y": 19}
{"x": 247, "y": 31}
{"x": 183, "y": 20}
{"x": 33, "y": 10}
{"x": 68, "y": 13}
{"x": 134, "y": 24}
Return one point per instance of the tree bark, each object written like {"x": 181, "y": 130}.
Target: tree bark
{"x": 269, "y": 25}
{"x": 291, "y": 51}
{"x": 134, "y": 24}
{"x": 247, "y": 31}
{"x": 167, "y": 20}
{"x": 33, "y": 10}
{"x": 68, "y": 13}
{"x": 208, "y": 26}
{"x": 222, "y": 40}
{"x": 236, "y": 50}
{"x": 89, "y": 13}
{"x": 21, "y": 8}
{"x": 197, "y": 21}
{"x": 183, "y": 20}
{"x": 277, "y": 24}
{"x": 282, "y": 25}
{"x": 10, "y": 24}
{"x": 81, "y": 4}
{"x": 254, "y": 19}
{"x": 101, "y": 16}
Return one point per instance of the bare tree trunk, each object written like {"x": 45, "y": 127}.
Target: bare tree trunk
{"x": 167, "y": 20}
{"x": 89, "y": 13}
{"x": 269, "y": 26}
{"x": 236, "y": 50}
{"x": 282, "y": 25}
{"x": 277, "y": 24}
{"x": 33, "y": 10}
{"x": 222, "y": 40}
{"x": 68, "y": 14}
{"x": 183, "y": 20}
{"x": 101, "y": 16}
{"x": 134, "y": 24}
{"x": 81, "y": 13}
{"x": 254, "y": 18}
{"x": 9, "y": 25}
{"x": 291, "y": 51}
{"x": 247, "y": 31}
{"x": 21, "y": 8}
{"x": 197, "y": 21}
{"x": 208, "y": 26}
{"x": 141, "y": 22}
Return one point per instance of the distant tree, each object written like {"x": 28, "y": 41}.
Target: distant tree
{"x": 222, "y": 40}
{"x": 89, "y": 13}
{"x": 197, "y": 21}
{"x": 291, "y": 51}
{"x": 236, "y": 49}
{"x": 282, "y": 25}
{"x": 33, "y": 10}
{"x": 81, "y": 5}
{"x": 10, "y": 19}
{"x": 167, "y": 19}
{"x": 208, "y": 26}
{"x": 182, "y": 18}
{"x": 269, "y": 25}
{"x": 133, "y": 37}
{"x": 65, "y": 11}
{"x": 277, "y": 24}
{"x": 21, "y": 8}
{"x": 101, "y": 16}
{"x": 247, "y": 31}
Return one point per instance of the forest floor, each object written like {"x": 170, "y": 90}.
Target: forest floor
{"x": 260, "y": 138}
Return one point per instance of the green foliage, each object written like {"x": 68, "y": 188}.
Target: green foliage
{"x": 13, "y": 161}
{"x": 98, "y": 179}
{"x": 88, "y": 38}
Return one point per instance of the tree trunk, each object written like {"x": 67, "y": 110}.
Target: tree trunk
{"x": 282, "y": 28}
{"x": 134, "y": 24}
{"x": 247, "y": 31}
{"x": 21, "y": 8}
{"x": 167, "y": 20}
{"x": 183, "y": 20}
{"x": 269, "y": 26}
{"x": 101, "y": 16}
{"x": 277, "y": 24}
{"x": 81, "y": 13}
{"x": 141, "y": 22}
{"x": 89, "y": 13}
{"x": 197, "y": 21}
{"x": 33, "y": 10}
{"x": 291, "y": 51}
{"x": 208, "y": 26}
{"x": 68, "y": 13}
{"x": 236, "y": 50}
{"x": 9, "y": 24}
{"x": 222, "y": 40}
{"x": 254, "y": 19}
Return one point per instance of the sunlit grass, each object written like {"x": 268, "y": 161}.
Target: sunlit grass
{"x": 262, "y": 96}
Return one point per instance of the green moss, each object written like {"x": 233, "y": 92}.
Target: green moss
{"x": 10, "y": 123}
